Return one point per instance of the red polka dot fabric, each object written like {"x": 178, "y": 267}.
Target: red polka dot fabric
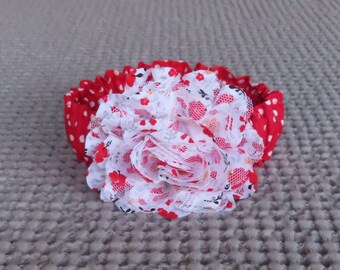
{"x": 82, "y": 103}
{"x": 143, "y": 133}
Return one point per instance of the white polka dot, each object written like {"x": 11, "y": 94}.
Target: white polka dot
{"x": 268, "y": 102}
{"x": 82, "y": 139}
{"x": 76, "y": 123}
{"x": 101, "y": 90}
{"x": 91, "y": 91}
{"x": 67, "y": 116}
{"x": 71, "y": 138}
{"x": 92, "y": 104}
{"x": 86, "y": 158}
{"x": 85, "y": 113}
{"x": 270, "y": 153}
{"x": 241, "y": 81}
{"x": 121, "y": 87}
{"x": 270, "y": 138}
{"x": 274, "y": 119}
{"x": 274, "y": 100}
{"x": 86, "y": 83}
{"x": 80, "y": 89}
{"x": 261, "y": 111}
{"x": 282, "y": 122}
{"x": 86, "y": 99}
{"x": 116, "y": 72}
{"x": 69, "y": 103}
{"x": 275, "y": 112}
{"x": 67, "y": 94}
{"x": 69, "y": 122}
{"x": 264, "y": 127}
{"x": 92, "y": 117}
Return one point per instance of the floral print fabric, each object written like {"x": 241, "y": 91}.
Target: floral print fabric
{"x": 174, "y": 141}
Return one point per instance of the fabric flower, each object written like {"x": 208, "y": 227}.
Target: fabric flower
{"x": 173, "y": 141}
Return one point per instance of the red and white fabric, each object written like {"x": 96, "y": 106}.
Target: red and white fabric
{"x": 168, "y": 139}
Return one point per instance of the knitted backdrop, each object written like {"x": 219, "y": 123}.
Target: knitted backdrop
{"x": 50, "y": 219}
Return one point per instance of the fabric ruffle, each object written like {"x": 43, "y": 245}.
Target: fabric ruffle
{"x": 168, "y": 139}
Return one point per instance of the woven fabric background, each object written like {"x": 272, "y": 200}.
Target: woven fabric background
{"x": 49, "y": 219}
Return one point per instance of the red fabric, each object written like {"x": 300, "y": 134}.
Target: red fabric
{"x": 82, "y": 102}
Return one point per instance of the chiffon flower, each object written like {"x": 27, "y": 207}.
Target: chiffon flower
{"x": 164, "y": 138}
